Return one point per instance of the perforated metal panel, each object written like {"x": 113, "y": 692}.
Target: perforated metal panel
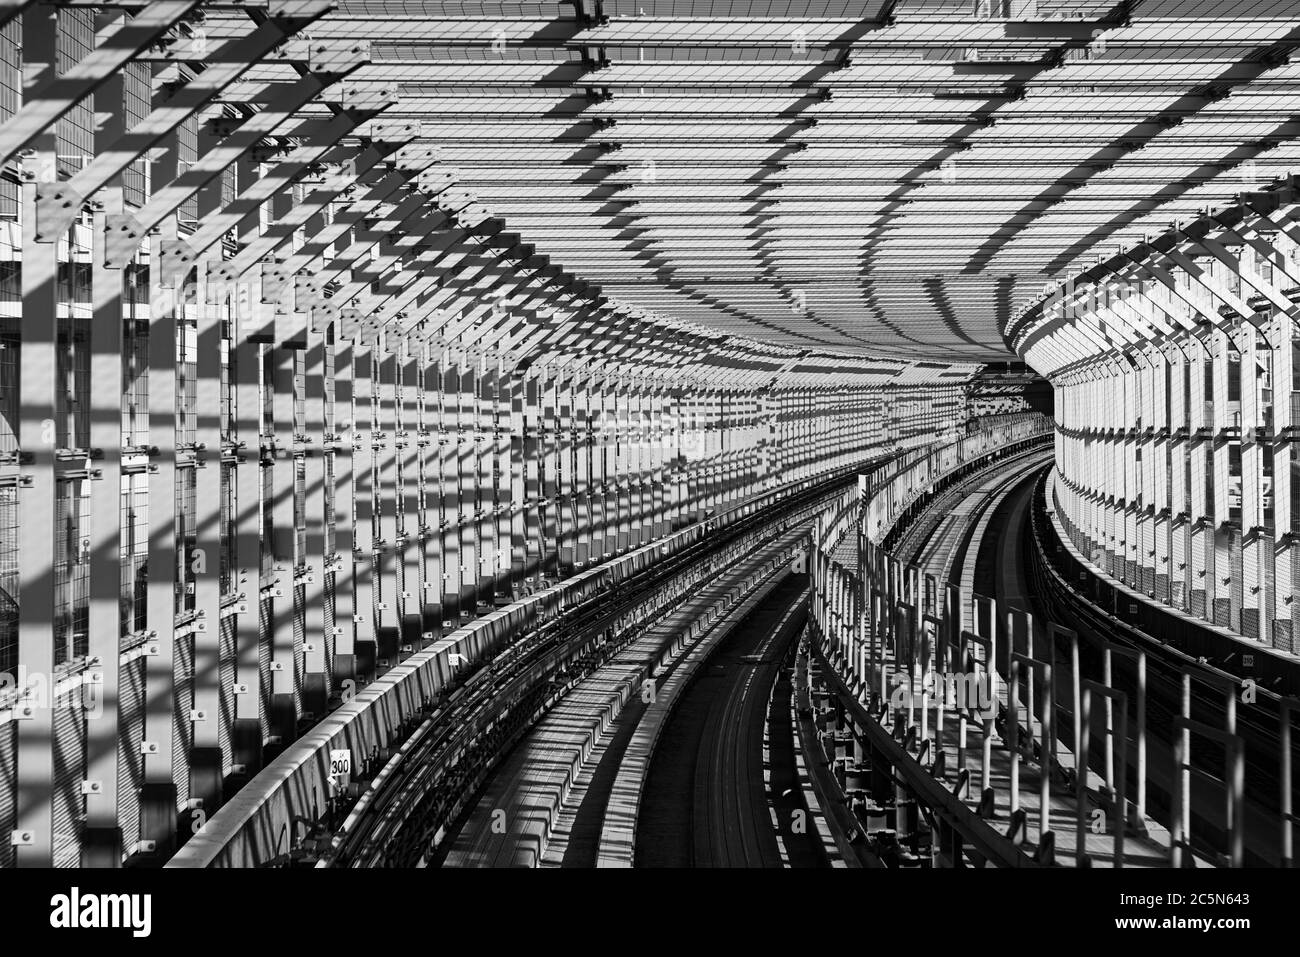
{"x": 130, "y": 763}
{"x": 69, "y": 772}
{"x": 8, "y": 787}
{"x": 182, "y": 727}
{"x": 226, "y": 696}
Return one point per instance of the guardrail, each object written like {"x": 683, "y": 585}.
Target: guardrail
{"x": 849, "y": 605}
{"x": 1164, "y": 679}
{"x": 881, "y": 607}
{"x": 897, "y": 490}
{"x": 431, "y": 784}
{"x": 259, "y": 823}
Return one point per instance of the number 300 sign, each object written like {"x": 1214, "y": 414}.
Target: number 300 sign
{"x": 341, "y": 767}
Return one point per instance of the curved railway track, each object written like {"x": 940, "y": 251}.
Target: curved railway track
{"x": 705, "y": 801}
{"x": 529, "y": 804}
{"x": 428, "y": 781}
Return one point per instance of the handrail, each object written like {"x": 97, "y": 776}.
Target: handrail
{"x": 383, "y": 706}
{"x": 857, "y": 612}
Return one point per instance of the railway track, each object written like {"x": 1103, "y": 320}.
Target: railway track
{"x": 430, "y": 779}
{"x": 523, "y": 807}
{"x": 933, "y": 540}
{"x": 705, "y": 802}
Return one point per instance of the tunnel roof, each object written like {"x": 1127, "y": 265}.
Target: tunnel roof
{"x": 890, "y": 179}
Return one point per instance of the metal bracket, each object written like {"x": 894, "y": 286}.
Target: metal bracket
{"x": 354, "y": 97}
{"x": 415, "y": 157}
{"x": 221, "y": 127}
{"x": 322, "y": 313}
{"x": 176, "y": 259}
{"x": 307, "y": 292}
{"x": 329, "y": 56}
{"x": 23, "y": 711}
{"x": 456, "y": 201}
{"x": 436, "y": 180}
{"x": 123, "y": 234}
{"x": 275, "y": 276}
{"x": 396, "y": 131}
{"x": 350, "y": 322}
{"x": 57, "y": 207}
{"x": 296, "y": 9}
{"x": 268, "y": 152}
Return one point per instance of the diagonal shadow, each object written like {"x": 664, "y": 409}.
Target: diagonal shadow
{"x": 1250, "y": 68}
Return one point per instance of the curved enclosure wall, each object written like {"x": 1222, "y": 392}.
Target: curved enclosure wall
{"x": 1177, "y": 401}
{"x": 276, "y": 417}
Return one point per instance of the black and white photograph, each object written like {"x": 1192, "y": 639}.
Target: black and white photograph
{"x": 443, "y": 437}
